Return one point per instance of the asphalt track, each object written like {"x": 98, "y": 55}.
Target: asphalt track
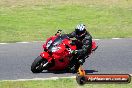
{"x": 112, "y": 56}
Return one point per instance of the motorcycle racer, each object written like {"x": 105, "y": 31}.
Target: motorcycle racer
{"x": 83, "y": 42}
{"x": 62, "y": 53}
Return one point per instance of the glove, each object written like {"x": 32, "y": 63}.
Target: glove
{"x": 73, "y": 51}
{"x": 81, "y": 61}
{"x": 58, "y": 32}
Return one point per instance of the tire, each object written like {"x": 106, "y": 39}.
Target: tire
{"x": 37, "y": 65}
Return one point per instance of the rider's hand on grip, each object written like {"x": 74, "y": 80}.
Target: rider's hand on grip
{"x": 58, "y": 32}
{"x": 73, "y": 51}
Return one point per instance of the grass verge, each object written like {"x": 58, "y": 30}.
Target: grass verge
{"x": 59, "y": 83}
{"x": 31, "y": 20}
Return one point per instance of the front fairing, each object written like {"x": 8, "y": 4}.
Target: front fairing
{"x": 56, "y": 50}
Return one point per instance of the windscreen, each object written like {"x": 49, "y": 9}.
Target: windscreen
{"x": 57, "y": 41}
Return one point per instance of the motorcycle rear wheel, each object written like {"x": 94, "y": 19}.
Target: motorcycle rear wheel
{"x": 37, "y": 65}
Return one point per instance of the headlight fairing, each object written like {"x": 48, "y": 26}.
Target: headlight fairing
{"x": 54, "y": 49}
{"x": 48, "y": 43}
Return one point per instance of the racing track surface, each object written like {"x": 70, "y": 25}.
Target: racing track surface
{"x": 112, "y": 56}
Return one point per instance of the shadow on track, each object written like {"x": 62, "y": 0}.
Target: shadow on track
{"x": 90, "y": 71}
{"x": 64, "y": 72}
{"x": 58, "y": 72}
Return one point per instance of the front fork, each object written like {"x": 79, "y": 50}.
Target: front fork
{"x": 44, "y": 65}
{"x": 45, "y": 55}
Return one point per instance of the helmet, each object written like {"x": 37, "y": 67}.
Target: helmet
{"x": 80, "y": 30}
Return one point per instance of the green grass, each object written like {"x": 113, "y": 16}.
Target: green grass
{"x": 59, "y": 83}
{"x": 31, "y": 20}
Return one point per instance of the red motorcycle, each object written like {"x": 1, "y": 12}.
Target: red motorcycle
{"x": 56, "y": 55}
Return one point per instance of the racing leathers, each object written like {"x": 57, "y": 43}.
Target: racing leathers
{"x": 84, "y": 45}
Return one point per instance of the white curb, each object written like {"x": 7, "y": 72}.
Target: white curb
{"x": 3, "y": 43}
{"x": 96, "y": 39}
{"x": 116, "y": 38}
{"x": 44, "y": 41}
{"x": 51, "y": 78}
{"x": 22, "y": 42}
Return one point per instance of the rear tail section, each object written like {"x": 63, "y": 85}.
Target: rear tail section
{"x": 94, "y": 46}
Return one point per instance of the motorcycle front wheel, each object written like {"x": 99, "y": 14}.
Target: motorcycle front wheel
{"x": 37, "y": 65}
